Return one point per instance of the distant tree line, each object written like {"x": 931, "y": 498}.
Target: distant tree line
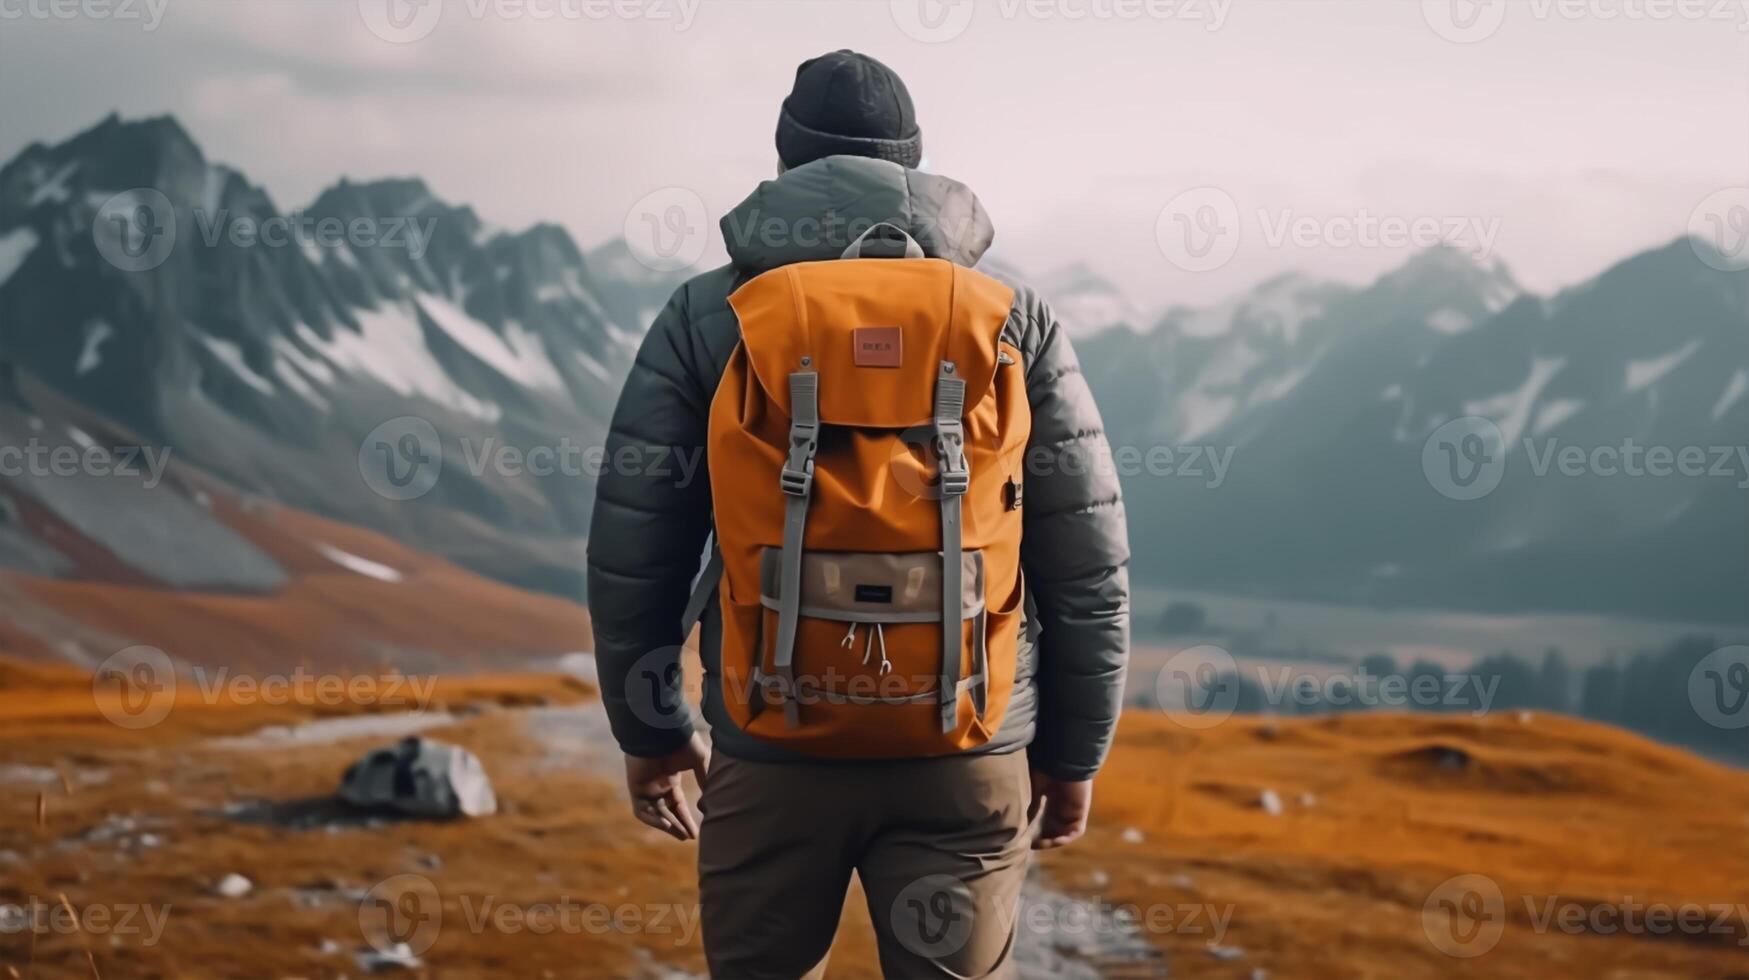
{"x": 1668, "y": 694}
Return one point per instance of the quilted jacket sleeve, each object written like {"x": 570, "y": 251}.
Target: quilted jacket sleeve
{"x": 651, "y": 519}
{"x": 1075, "y": 553}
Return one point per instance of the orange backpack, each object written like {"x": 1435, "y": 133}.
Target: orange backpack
{"x": 865, "y": 449}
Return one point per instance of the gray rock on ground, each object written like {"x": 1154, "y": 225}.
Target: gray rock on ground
{"x": 421, "y": 778}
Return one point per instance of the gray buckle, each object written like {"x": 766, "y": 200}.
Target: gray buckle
{"x": 797, "y": 478}
{"x": 950, "y": 449}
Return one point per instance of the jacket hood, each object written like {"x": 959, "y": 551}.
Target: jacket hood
{"x": 814, "y": 212}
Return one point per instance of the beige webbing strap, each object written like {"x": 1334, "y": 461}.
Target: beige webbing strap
{"x": 797, "y": 482}
{"x": 950, "y": 449}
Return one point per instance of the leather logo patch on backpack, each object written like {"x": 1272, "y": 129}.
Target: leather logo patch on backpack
{"x": 875, "y": 593}
{"x": 877, "y": 346}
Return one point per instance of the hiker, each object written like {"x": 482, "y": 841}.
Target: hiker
{"x": 914, "y": 602}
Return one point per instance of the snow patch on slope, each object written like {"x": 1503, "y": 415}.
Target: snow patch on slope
{"x": 1277, "y": 388}
{"x": 390, "y": 347}
{"x": 1510, "y": 410}
{"x": 1449, "y": 321}
{"x": 287, "y": 371}
{"x": 1734, "y": 390}
{"x": 1643, "y": 373}
{"x": 317, "y": 369}
{"x": 53, "y": 190}
{"x": 15, "y": 245}
{"x": 518, "y": 355}
{"x": 82, "y": 438}
{"x": 1554, "y": 413}
{"x": 363, "y": 566}
{"x": 1204, "y": 413}
{"x": 91, "y": 355}
{"x": 231, "y": 356}
{"x": 592, "y": 365}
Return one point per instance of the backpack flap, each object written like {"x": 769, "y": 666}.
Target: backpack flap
{"x": 875, "y": 331}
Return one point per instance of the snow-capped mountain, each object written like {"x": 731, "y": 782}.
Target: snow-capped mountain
{"x": 1086, "y": 303}
{"x": 1331, "y": 399}
{"x": 386, "y": 358}
{"x": 169, "y": 295}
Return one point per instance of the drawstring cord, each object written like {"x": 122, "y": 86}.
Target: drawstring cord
{"x": 875, "y": 635}
{"x": 878, "y": 634}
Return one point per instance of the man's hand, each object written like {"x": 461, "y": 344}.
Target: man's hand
{"x": 1065, "y": 805}
{"x": 658, "y": 797}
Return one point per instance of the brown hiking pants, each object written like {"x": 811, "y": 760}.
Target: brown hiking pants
{"x": 941, "y": 847}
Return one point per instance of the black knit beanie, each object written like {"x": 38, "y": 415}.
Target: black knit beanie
{"x": 848, "y": 103}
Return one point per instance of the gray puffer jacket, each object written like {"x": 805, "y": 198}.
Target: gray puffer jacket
{"x": 653, "y": 502}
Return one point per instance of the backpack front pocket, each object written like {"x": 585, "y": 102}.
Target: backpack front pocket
{"x": 867, "y": 664}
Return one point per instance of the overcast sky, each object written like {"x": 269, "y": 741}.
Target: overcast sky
{"x": 1557, "y": 135}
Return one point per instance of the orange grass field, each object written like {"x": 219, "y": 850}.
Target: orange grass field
{"x": 1379, "y": 812}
